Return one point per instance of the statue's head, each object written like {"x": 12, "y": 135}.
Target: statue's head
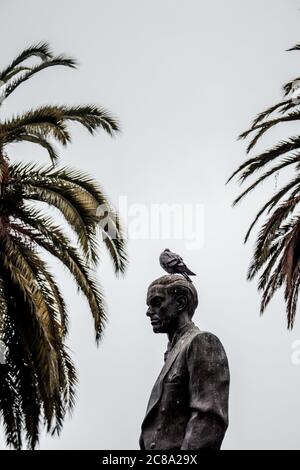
{"x": 168, "y": 298}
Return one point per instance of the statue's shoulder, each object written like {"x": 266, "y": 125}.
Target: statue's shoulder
{"x": 204, "y": 340}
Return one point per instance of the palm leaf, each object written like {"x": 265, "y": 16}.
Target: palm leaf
{"x": 277, "y": 250}
{"x": 38, "y": 381}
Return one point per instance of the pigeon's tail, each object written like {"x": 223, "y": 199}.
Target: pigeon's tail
{"x": 186, "y": 277}
{"x": 189, "y": 272}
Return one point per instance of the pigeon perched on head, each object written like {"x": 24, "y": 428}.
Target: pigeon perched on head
{"x": 173, "y": 264}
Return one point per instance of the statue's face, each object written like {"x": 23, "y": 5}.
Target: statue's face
{"x": 162, "y": 309}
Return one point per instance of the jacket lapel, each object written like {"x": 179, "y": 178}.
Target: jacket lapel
{"x": 158, "y": 386}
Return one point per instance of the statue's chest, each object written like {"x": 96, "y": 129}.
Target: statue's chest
{"x": 178, "y": 371}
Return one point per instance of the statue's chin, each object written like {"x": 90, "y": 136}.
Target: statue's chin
{"x": 158, "y": 329}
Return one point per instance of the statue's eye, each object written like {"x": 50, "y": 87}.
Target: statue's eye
{"x": 156, "y": 302}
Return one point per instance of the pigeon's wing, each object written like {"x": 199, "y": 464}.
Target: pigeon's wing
{"x": 173, "y": 260}
{"x": 166, "y": 261}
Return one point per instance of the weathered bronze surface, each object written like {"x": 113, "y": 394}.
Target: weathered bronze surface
{"x": 188, "y": 406}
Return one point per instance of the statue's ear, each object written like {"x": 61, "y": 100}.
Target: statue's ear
{"x": 182, "y": 302}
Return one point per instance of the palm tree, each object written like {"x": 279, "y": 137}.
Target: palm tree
{"x": 38, "y": 380}
{"x": 277, "y": 250}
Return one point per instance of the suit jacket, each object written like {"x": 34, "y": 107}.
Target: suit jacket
{"x": 188, "y": 406}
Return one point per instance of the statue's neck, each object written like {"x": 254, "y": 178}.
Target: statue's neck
{"x": 183, "y": 320}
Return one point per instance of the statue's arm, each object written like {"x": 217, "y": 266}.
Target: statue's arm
{"x": 208, "y": 388}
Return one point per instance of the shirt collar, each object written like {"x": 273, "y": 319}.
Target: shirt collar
{"x": 179, "y": 333}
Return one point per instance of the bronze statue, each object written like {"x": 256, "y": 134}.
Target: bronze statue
{"x": 188, "y": 406}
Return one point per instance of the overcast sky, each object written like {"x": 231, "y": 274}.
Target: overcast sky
{"x": 184, "y": 78}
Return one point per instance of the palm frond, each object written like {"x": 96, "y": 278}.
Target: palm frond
{"x": 44, "y": 121}
{"x": 40, "y": 50}
{"x": 294, "y": 48}
{"x": 78, "y": 197}
{"x": 38, "y": 381}
{"x": 266, "y": 126}
{"x": 59, "y": 60}
{"x": 277, "y": 252}
{"x": 265, "y": 114}
{"x": 253, "y": 164}
{"x": 40, "y": 140}
{"x": 271, "y": 203}
{"x": 50, "y": 237}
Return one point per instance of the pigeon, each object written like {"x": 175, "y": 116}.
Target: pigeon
{"x": 173, "y": 264}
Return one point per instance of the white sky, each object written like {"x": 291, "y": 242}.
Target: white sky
{"x": 185, "y": 78}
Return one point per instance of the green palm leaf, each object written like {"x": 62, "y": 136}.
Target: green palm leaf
{"x": 277, "y": 250}
{"x": 38, "y": 381}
